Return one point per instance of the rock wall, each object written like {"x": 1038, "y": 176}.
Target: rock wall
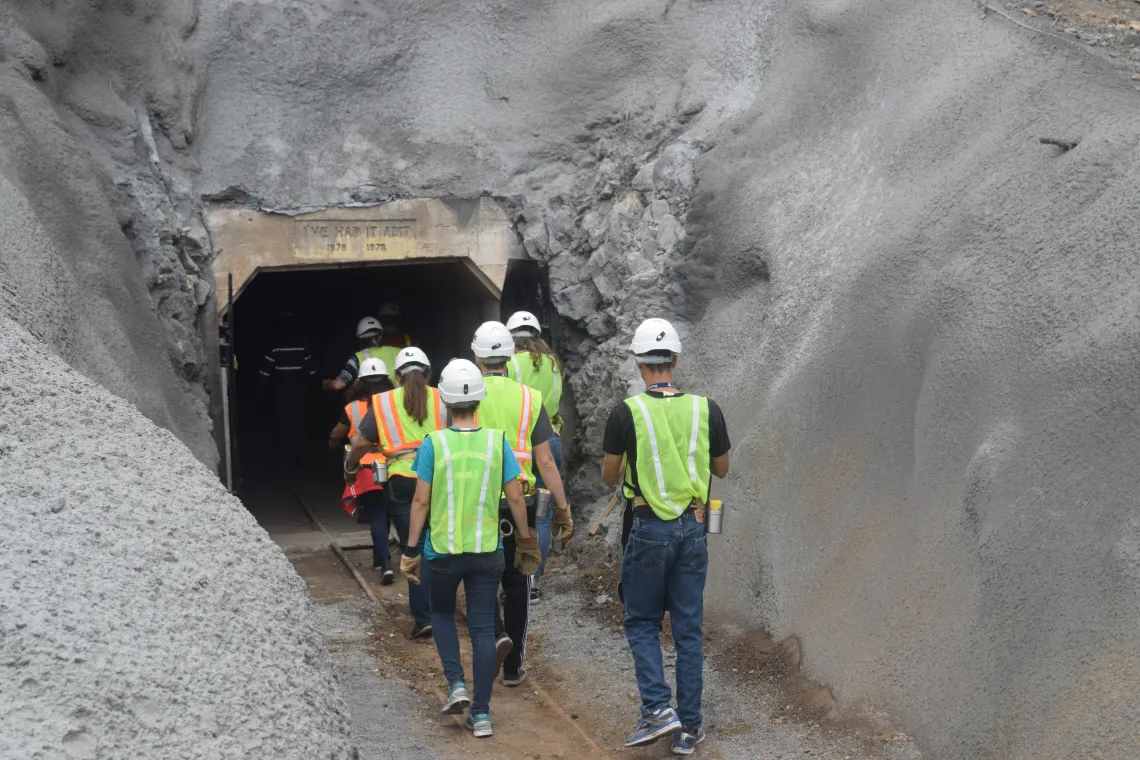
{"x": 143, "y": 612}
{"x": 921, "y": 322}
{"x": 102, "y": 251}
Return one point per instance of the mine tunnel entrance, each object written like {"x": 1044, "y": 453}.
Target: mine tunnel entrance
{"x": 316, "y": 310}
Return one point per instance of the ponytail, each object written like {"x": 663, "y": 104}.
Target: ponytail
{"x": 537, "y": 347}
{"x": 414, "y": 382}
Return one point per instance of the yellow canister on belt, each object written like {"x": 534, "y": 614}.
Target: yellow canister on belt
{"x": 716, "y": 516}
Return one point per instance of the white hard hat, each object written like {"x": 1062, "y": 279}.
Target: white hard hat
{"x": 389, "y": 309}
{"x": 522, "y": 321}
{"x": 655, "y": 335}
{"x": 493, "y": 339}
{"x": 373, "y": 367}
{"x": 368, "y": 325}
{"x": 461, "y": 381}
{"x": 411, "y": 356}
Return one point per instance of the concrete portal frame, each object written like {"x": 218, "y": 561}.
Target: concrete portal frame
{"x": 411, "y": 230}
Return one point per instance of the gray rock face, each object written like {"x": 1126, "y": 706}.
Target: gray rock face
{"x": 920, "y": 322}
{"x": 143, "y": 612}
{"x": 100, "y": 238}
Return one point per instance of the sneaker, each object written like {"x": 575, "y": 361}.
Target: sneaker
{"x": 653, "y": 726}
{"x": 685, "y": 742}
{"x": 458, "y": 699}
{"x": 386, "y": 576}
{"x": 503, "y": 647}
{"x": 480, "y": 725}
{"x": 535, "y": 595}
{"x": 514, "y": 679}
{"x": 421, "y": 631}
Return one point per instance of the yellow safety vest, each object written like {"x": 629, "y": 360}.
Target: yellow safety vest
{"x": 513, "y": 408}
{"x": 400, "y": 434}
{"x": 547, "y": 380}
{"x": 387, "y": 354}
{"x": 672, "y": 451}
{"x": 465, "y": 487}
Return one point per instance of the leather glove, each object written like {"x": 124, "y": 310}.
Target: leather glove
{"x": 527, "y": 555}
{"x": 562, "y": 524}
{"x": 350, "y": 476}
{"x": 410, "y": 567}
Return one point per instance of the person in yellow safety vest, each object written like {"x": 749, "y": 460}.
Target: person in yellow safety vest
{"x": 461, "y": 470}
{"x": 398, "y": 422}
{"x": 534, "y": 364}
{"x": 673, "y": 443}
{"x": 369, "y": 332}
{"x": 362, "y": 493}
{"x": 389, "y": 315}
{"x": 517, "y": 410}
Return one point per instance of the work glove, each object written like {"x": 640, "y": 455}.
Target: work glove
{"x": 410, "y": 567}
{"x": 350, "y": 475}
{"x": 527, "y": 555}
{"x": 562, "y": 524}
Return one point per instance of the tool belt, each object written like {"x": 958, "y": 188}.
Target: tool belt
{"x": 642, "y": 509}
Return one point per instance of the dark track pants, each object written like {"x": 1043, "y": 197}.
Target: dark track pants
{"x": 516, "y": 608}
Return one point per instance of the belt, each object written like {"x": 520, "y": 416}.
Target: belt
{"x": 400, "y": 455}
{"x": 642, "y": 509}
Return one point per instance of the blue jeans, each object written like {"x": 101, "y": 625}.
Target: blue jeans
{"x": 542, "y": 524}
{"x": 375, "y": 504}
{"x": 480, "y": 574}
{"x": 664, "y": 568}
{"x": 400, "y": 492}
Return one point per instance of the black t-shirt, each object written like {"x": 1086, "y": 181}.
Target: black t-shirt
{"x": 543, "y": 430}
{"x": 621, "y": 437}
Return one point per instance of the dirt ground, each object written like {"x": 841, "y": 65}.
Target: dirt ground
{"x": 580, "y": 699}
{"x": 1109, "y": 23}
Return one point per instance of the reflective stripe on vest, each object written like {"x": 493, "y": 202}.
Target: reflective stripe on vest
{"x": 547, "y": 380}
{"x": 672, "y": 450}
{"x": 399, "y": 431}
{"x": 513, "y": 408}
{"x": 463, "y": 520}
{"x": 356, "y": 411}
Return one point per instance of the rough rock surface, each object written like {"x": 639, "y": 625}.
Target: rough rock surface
{"x": 102, "y": 251}
{"x": 921, "y": 322}
{"x": 143, "y": 612}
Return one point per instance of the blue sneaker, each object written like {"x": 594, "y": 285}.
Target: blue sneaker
{"x": 480, "y": 725}
{"x": 653, "y": 726}
{"x": 685, "y": 742}
{"x": 458, "y": 699}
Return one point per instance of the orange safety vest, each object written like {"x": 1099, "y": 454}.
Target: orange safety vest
{"x": 356, "y": 411}
{"x": 400, "y": 434}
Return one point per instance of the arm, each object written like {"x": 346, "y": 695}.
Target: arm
{"x": 515, "y": 501}
{"x": 339, "y": 431}
{"x": 544, "y": 460}
{"x": 346, "y": 376}
{"x": 611, "y": 469}
{"x": 332, "y": 385}
{"x": 719, "y": 466}
{"x": 421, "y": 504}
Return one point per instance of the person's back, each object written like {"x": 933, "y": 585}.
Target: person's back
{"x": 513, "y": 408}
{"x": 284, "y": 377}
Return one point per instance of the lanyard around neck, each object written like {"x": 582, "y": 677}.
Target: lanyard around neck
{"x": 662, "y": 387}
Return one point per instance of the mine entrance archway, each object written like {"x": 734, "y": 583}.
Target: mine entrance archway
{"x": 442, "y": 302}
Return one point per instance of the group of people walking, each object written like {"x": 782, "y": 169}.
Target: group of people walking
{"x": 469, "y": 474}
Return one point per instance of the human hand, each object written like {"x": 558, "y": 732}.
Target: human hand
{"x": 562, "y": 524}
{"x": 527, "y": 554}
{"x": 410, "y": 567}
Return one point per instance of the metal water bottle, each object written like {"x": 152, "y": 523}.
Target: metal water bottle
{"x": 543, "y": 501}
{"x": 379, "y": 471}
{"x": 716, "y": 516}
